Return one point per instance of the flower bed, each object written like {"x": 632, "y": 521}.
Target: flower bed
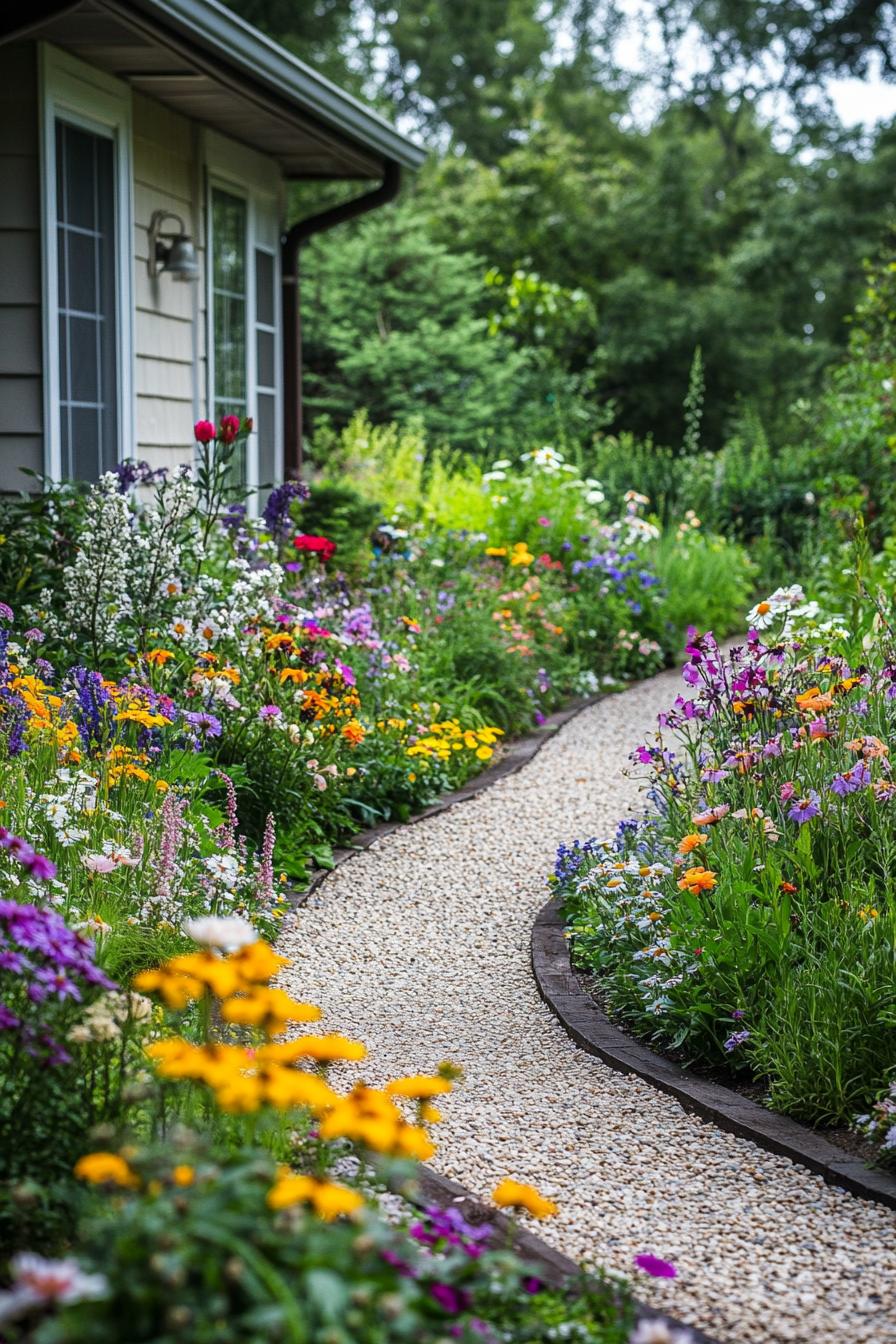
{"x": 195, "y": 706}
{"x": 745, "y": 922}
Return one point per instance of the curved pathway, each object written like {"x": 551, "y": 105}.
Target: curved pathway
{"x": 420, "y": 947}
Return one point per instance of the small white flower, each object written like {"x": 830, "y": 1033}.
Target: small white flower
{"x": 207, "y": 631}
{"x": 172, "y": 588}
{"x": 223, "y": 868}
{"x": 70, "y": 835}
{"x": 180, "y": 629}
{"x": 213, "y": 931}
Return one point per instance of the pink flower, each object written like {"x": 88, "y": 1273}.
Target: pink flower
{"x": 655, "y": 1267}
{"x": 203, "y": 431}
{"x": 544, "y": 522}
{"x": 99, "y": 863}
{"x": 787, "y": 791}
{"x": 229, "y": 428}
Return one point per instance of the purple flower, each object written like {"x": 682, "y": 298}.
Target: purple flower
{"x": 735, "y": 1040}
{"x": 36, "y": 865}
{"x": 270, "y": 712}
{"x": 850, "y": 781}
{"x": 6, "y": 613}
{"x": 8, "y": 1019}
{"x": 277, "y": 510}
{"x": 452, "y": 1300}
{"x": 654, "y": 1266}
{"x": 346, "y": 673}
{"x": 713, "y": 776}
{"x": 204, "y": 723}
{"x": 35, "y": 636}
{"x": 804, "y": 809}
{"x": 738, "y": 1014}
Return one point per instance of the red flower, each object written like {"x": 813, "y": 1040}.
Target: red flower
{"x": 204, "y": 431}
{"x": 229, "y": 428}
{"x": 321, "y": 546}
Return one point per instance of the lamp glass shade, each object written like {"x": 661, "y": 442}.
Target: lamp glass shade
{"x": 181, "y": 259}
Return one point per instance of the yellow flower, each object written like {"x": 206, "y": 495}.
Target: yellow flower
{"x": 159, "y": 657}
{"x": 285, "y": 1088}
{"x": 271, "y": 1009}
{"x": 418, "y": 1086}
{"x": 325, "y": 1049}
{"x": 429, "y": 1114}
{"x": 484, "y": 753}
{"x": 217, "y": 973}
{"x": 106, "y": 1169}
{"x": 143, "y": 717}
{"x": 176, "y": 990}
{"x": 496, "y": 550}
{"x": 514, "y": 1195}
{"x": 257, "y": 962}
{"x": 328, "y": 1199}
{"x": 183, "y": 1174}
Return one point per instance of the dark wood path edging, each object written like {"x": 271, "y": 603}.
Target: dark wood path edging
{"x": 517, "y": 752}
{"x": 552, "y": 1266}
{"x": 593, "y": 1031}
{"x": 430, "y": 1187}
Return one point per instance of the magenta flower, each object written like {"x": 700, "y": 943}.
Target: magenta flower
{"x": 655, "y": 1267}
{"x": 270, "y": 712}
{"x": 787, "y": 791}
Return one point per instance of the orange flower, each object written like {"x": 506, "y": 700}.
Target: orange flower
{"x": 814, "y": 701}
{"x": 692, "y": 842}
{"x": 697, "y": 880}
{"x": 159, "y": 657}
{"x": 353, "y": 732}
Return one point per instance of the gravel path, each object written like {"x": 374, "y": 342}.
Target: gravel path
{"x": 420, "y": 946}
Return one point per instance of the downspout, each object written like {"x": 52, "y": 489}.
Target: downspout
{"x": 290, "y": 247}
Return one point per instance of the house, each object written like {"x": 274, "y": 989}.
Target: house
{"x": 145, "y": 278}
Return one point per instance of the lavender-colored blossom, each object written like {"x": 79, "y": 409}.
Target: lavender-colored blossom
{"x": 269, "y": 712}
{"x": 804, "y": 809}
{"x": 850, "y": 781}
{"x": 6, "y": 612}
{"x": 735, "y": 1040}
{"x": 36, "y": 865}
{"x": 264, "y": 882}
{"x": 206, "y": 724}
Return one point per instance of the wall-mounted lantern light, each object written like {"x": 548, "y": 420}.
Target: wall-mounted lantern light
{"x": 170, "y": 251}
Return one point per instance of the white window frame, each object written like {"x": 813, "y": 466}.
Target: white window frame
{"x": 84, "y": 96}
{"x": 241, "y": 172}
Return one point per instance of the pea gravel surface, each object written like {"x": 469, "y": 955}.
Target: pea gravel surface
{"x": 419, "y": 946}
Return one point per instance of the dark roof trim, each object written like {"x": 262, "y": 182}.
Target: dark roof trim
{"x": 216, "y": 30}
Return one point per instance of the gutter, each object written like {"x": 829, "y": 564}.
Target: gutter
{"x": 290, "y": 247}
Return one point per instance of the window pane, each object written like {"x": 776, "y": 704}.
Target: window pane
{"x": 83, "y": 278}
{"x": 86, "y": 257}
{"x": 229, "y": 233}
{"x": 80, "y": 177}
{"x": 229, "y": 316}
{"x": 264, "y": 288}
{"x": 266, "y": 434}
{"x": 84, "y": 360}
{"x": 265, "y": 357}
{"x": 84, "y": 448}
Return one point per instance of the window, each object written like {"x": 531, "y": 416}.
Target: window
{"x": 229, "y": 307}
{"x": 85, "y": 222}
{"x": 87, "y": 268}
{"x": 244, "y": 329}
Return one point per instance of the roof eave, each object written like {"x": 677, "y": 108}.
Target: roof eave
{"x": 237, "y": 44}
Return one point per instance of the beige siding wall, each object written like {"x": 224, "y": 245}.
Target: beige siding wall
{"x": 169, "y": 327}
{"x": 21, "y": 333}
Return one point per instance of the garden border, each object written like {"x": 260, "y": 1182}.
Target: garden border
{"x": 517, "y": 753}
{"x": 591, "y": 1029}
{"x": 430, "y": 1187}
